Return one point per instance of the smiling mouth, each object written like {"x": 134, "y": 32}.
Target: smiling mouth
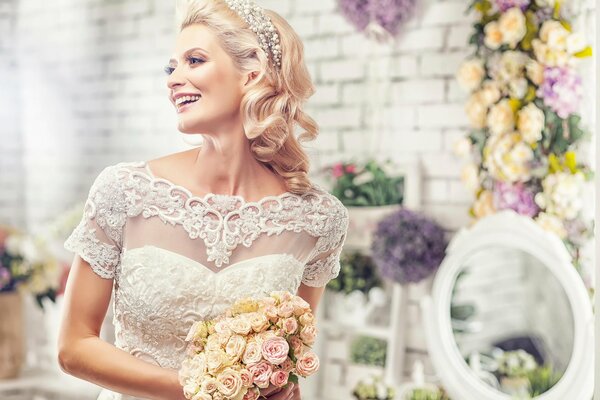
{"x": 185, "y": 103}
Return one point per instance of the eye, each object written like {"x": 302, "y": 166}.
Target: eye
{"x": 168, "y": 70}
{"x": 194, "y": 60}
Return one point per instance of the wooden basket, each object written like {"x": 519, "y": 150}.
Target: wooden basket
{"x": 12, "y": 341}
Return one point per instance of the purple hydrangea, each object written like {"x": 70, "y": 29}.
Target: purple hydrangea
{"x": 389, "y": 14}
{"x": 407, "y": 246}
{"x": 505, "y": 5}
{"x": 516, "y": 197}
{"x": 561, "y": 90}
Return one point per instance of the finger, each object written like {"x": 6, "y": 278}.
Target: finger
{"x": 283, "y": 394}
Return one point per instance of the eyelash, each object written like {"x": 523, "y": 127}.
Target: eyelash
{"x": 169, "y": 70}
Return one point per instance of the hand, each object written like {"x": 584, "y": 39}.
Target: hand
{"x": 289, "y": 392}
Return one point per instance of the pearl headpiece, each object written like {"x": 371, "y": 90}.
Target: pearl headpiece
{"x": 260, "y": 24}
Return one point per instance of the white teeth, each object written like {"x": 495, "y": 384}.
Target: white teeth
{"x": 186, "y": 98}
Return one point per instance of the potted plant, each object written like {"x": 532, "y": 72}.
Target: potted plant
{"x": 26, "y": 266}
{"x": 369, "y": 191}
{"x": 357, "y": 290}
{"x": 373, "y": 388}
{"x": 513, "y": 367}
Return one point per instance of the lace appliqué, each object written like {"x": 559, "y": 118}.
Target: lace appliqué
{"x": 318, "y": 273}
{"x": 102, "y": 257}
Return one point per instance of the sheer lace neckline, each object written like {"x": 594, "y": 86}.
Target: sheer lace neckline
{"x": 210, "y": 195}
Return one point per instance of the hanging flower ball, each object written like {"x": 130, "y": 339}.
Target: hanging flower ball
{"x": 388, "y": 14}
{"x": 408, "y": 247}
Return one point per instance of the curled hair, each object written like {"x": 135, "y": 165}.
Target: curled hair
{"x": 272, "y": 103}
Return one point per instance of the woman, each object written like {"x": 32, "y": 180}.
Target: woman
{"x": 181, "y": 237}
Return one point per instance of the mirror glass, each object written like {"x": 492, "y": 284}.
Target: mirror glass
{"x": 512, "y": 321}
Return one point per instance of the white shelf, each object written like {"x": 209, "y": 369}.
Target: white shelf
{"x": 43, "y": 384}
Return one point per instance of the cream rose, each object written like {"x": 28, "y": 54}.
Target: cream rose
{"x": 259, "y": 322}
{"x": 470, "y": 176}
{"x": 235, "y": 346}
{"x": 307, "y": 364}
{"x": 252, "y": 353}
{"x": 470, "y": 74}
{"x": 512, "y": 25}
{"x": 501, "y": 118}
{"x": 554, "y": 35}
{"x": 308, "y": 334}
{"x": 530, "y": 122}
{"x": 301, "y": 306}
{"x": 217, "y": 359}
{"x": 484, "y": 205}
{"x": 240, "y": 325}
{"x": 275, "y": 350}
{"x": 209, "y": 384}
{"x": 307, "y": 318}
{"x": 246, "y": 377}
{"x": 202, "y": 396}
{"x": 552, "y": 224}
{"x": 229, "y": 383}
{"x": 493, "y": 36}
{"x": 490, "y": 92}
{"x": 535, "y": 72}
{"x": 518, "y": 88}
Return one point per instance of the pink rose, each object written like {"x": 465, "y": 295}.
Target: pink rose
{"x": 246, "y": 377}
{"x": 351, "y": 168}
{"x": 300, "y": 305}
{"x": 338, "y": 170}
{"x": 252, "y": 353}
{"x": 297, "y": 345}
{"x": 285, "y": 309}
{"x": 275, "y": 349}
{"x": 271, "y": 312}
{"x": 261, "y": 373}
{"x": 289, "y": 325}
{"x": 308, "y": 334}
{"x": 307, "y": 364}
{"x": 252, "y": 394}
{"x": 279, "y": 378}
{"x": 287, "y": 365}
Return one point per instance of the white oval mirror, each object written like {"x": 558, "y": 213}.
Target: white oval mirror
{"x": 506, "y": 301}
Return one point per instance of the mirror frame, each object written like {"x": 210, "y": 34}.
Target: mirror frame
{"x": 513, "y": 230}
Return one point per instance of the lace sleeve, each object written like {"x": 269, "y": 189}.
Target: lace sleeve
{"x": 98, "y": 236}
{"x": 324, "y": 262}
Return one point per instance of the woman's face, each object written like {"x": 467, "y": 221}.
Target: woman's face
{"x": 200, "y": 67}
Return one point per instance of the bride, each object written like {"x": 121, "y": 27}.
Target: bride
{"x": 179, "y": 238}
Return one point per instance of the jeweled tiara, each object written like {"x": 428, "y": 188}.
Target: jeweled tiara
{"x": 260, "y": 24}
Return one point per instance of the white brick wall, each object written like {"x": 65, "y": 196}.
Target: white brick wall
{"x": 90, "y": 91}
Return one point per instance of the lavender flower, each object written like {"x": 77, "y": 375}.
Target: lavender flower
{"x": 561, "y": 90}
{"x": 505, "y": 5}
{"x": 408, "y": 247}
{"x": 515, "y": 197}
{"x": 389, "y": 14}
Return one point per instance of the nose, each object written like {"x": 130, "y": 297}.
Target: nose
{"x": 174, "y": 79}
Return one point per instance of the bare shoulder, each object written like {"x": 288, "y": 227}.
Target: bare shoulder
{"x": 170, "y": 163}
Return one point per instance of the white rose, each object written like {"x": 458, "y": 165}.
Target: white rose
{"x": 493, "y": 36}
{"x": 512, "y": 65}
{"x": 501, "y": 118}
{"x": 551, "y": 224}
{"x": 362, "y": 178}
{"x": 507, "y": 158}
{"x": 530, "y": 122}
{"x": 535, "y": 72}
{"x": 512, "y": 25}
{"x": 470, "y": 74}
{"x": 476, "y": 109}
{"x": 490, "y": 92}
{"x": 462, "y": 147}
{"x": 518, "y": 88}
{"x": 470, "y": 177}
{"x": 554, "y": 35}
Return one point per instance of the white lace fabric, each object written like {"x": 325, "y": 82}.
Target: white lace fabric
{"x": 176, "y": 258}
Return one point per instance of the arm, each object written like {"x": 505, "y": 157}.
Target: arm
{"x": 84, "y": 355}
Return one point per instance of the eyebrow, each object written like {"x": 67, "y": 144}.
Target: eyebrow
{"x": 174, "y": 61}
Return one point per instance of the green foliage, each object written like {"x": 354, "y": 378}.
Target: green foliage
{"x": 373, "y": 388}
{"x": 427, "y": 394}
{"x": 357, "y": 272}
{"x": 368, "y": 185}
{"x": 542, "y": 379}
{"x": 367, "y": 350}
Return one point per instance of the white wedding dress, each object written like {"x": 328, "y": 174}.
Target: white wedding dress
{"x": 176, "y": 258}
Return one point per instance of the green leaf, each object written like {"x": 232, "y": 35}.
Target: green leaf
{"x": 293, "y": 378}
{"x": 587, "y": 52}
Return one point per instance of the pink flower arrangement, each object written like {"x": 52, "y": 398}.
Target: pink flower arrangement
{"x": 254, "y": 344}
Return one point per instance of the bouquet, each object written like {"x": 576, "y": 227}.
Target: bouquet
{"x": 254, "y": 344}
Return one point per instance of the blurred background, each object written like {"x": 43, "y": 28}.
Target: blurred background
{"x": 458, "y": 133}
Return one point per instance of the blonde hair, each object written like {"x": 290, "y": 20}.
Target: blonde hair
{"x": 273, "y": 102}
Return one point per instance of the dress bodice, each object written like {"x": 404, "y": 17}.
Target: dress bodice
{"x": 176, "y": 258}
